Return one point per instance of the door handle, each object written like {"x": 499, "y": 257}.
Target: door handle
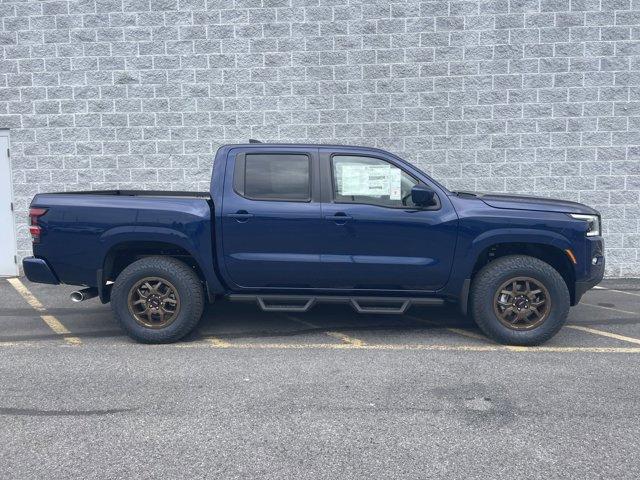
{"x": 241, "y": 216}
{"x": 339, "y": 217}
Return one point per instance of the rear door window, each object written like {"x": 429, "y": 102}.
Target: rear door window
{"x": 276, "y": 177}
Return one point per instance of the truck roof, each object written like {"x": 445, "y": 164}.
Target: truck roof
{"x": 260, "y": 145}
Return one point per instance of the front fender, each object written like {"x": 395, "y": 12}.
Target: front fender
{"x": 469, "y": 254}
{"x": 517, "y": 235}
{"x": 469, "y": 250}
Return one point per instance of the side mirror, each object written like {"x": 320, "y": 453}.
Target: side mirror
{"x": 423, "y": 196}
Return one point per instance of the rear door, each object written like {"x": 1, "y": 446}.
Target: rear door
{"x": 271, "y": 223}
{"x": 375, "y": 238}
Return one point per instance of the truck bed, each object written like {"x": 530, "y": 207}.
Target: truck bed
{"x": 80, "y": 229}
{"x": 138, "y": 193}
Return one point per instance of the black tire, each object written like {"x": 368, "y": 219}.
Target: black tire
{"x": 187, "y": 285}
{"x": 493, "y": 276}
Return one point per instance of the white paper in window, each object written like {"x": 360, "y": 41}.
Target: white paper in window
{"x": 395, "y": 184}
{"x": 365, "y": 180}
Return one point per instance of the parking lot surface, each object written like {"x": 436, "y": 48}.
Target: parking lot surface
{"x": 324, "y": 394}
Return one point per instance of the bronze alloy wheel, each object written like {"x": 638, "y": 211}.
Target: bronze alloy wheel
{"x": 522, "y": 303}
{"x": 154, "y": 302}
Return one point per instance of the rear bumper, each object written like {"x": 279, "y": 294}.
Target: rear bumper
{"x": 38, "y": 270}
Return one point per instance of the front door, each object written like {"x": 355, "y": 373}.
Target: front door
{"x": 375, "y": 237}
{"x": 8, "y": 266}
{"x": 271, "y": 223}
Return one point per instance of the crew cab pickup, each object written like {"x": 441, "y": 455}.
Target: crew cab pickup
{"x": 288, "y": 226}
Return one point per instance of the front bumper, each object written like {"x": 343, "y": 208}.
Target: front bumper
{"x": 582, "y": 287}
{"x": 594, "y": 271}
{"x": 38, "y": 270}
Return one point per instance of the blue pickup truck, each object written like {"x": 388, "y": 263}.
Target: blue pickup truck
{"x": 289, "y": 226}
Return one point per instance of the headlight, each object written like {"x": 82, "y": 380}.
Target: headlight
{"x": 593, "y": 222}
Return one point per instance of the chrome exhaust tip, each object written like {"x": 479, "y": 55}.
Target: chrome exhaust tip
{"x": 76, "y": 296}
{"x": 84, "y": 294}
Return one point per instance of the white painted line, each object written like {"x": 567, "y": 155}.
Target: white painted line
{"x": 52, "y": 322}
{"x": 602, "y": 333}
{"x": 610, "y": 308}
{"x": 617, "y": 291}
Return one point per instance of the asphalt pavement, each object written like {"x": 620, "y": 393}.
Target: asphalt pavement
{"x": 322, "y": 395}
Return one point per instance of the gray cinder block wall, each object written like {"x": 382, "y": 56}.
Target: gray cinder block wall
{"x": 527, "y": 96}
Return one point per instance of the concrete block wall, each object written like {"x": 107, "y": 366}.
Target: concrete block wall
{"x": 526, "y": 96}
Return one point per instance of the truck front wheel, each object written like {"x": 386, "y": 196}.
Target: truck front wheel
{"x": 519, "y": 300}
{"x": 157, "y": 300}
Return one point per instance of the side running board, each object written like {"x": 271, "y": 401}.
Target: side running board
{"x": 284, "y": 304}
{"x": 302, "y": 303}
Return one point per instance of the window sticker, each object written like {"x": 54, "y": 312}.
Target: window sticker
{"x": 369, "y": 180}
{"x": 395, "y": 184}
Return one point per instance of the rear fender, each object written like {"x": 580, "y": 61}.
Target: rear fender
{"x": 197, "y": 247}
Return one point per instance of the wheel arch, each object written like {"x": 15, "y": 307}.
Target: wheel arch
{"x": 554, "y": 256}
{"x": 119, "y": 254}
{"x": 549, "y": 247}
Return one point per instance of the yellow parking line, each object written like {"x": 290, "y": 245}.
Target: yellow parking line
{"x": 351, "y": 341}
{"x": 516, "y": 348}
{"x": 52, "y": 322}
{"x": 602, "y": 333}
{"x": 217, "y": 342}
{"x": 416, "y": 347}
{"x": 26, "y": 294}
{"x": 609, "y": 308}
{"x": 60, "y": 329}
{"x": 356, "y": 342}
{"x": 459, "y": 331}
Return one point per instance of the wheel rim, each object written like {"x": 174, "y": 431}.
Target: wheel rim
{"x": 522, "y": 303}
{"x": 154, "y": 302}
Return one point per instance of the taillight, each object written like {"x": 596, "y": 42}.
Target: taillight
{"x": 34, "y": 228}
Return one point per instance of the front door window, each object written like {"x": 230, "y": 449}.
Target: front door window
{"x": 370, "y": 181}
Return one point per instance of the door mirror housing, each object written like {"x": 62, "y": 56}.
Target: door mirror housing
{"x": 423, "y": 196}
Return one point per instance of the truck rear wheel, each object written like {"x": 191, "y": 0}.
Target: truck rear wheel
{"x": 157, "y": 300}
{"x": 519, "y": 300}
